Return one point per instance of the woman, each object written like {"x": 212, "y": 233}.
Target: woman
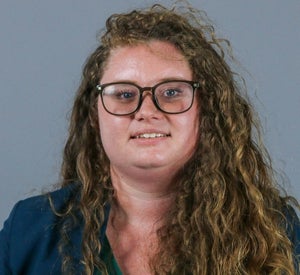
{"x": 162, "y": 173}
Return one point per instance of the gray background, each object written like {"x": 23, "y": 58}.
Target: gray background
{"x": 43, "y": 45}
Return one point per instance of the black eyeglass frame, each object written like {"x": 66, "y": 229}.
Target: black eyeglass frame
{"x": 194, "y": 84}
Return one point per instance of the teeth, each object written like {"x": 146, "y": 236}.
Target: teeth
{"x": 151, "y": 135}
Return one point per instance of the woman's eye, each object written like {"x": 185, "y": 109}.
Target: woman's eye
{"x": 125, "y": 95}
{"x": 171, "y": 93}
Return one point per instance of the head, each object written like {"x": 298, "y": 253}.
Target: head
{"x": 191, "y": 37}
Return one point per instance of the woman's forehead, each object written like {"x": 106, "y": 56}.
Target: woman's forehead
{"x": 156, "y": 60}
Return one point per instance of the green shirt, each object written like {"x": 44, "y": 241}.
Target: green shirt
{"x": 109, "y": 259}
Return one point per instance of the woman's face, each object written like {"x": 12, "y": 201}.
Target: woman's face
{"x": 170, "y": 138}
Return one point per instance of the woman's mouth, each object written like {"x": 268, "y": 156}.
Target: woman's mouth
{"x": 151, "y": 135}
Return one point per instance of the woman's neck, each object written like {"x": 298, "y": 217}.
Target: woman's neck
{"x": 137, "y": 212}
{"x": 142, "y": 205}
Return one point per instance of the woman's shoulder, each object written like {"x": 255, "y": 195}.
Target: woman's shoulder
{"x": 30, "y": 236}
{"x": 39, "y": 210}
{"x": 44, "y": 202}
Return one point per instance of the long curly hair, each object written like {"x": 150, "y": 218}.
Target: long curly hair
{"x": 229, "y": 215}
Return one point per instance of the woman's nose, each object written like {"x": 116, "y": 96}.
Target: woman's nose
{"x": 147, "y": 108}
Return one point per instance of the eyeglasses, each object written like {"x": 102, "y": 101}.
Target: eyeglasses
{"x": 125, "y": 98}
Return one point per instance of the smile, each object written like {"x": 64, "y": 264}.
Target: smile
{"x": 151, "y": 135}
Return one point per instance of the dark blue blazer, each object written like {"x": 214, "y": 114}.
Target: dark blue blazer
{"x": 30, "y": 236}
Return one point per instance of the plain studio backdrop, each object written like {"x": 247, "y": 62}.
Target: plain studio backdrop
{"x": 44, "y": 44}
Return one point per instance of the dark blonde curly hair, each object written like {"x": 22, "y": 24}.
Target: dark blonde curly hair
{"x": 229, "y": 215}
